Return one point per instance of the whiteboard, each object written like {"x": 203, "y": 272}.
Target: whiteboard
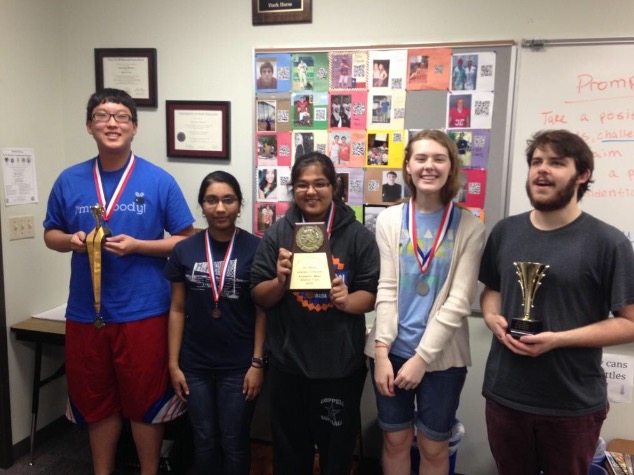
{"x": 588, "y": 90}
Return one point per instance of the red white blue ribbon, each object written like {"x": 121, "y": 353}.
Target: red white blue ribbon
{"x": 123, "y": 181}
{"x": 425, "y": 259}
{"x": 216, "y": 288}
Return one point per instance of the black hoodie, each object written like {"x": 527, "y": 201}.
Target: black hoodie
{"x": 309, "y": 336}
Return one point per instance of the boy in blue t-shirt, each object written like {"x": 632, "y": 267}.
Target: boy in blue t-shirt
{"x": 116, "y": 317}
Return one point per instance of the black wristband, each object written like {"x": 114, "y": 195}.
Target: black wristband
{"x": 258, "y": 362}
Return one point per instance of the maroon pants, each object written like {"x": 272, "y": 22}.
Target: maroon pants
{"x": 524, "y": 444}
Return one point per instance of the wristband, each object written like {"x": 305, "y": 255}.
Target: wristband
{"x": 258, "y": 362}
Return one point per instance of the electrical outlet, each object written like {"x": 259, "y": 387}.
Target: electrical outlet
{"x": 21, "y": 227}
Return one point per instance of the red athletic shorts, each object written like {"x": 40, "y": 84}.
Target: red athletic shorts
{"x": 119, "y": 369}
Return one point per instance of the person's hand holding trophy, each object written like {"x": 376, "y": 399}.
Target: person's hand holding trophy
{"x": 529, "y": 276}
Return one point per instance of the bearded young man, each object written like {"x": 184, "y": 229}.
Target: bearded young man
{"x": 546, "y": 392}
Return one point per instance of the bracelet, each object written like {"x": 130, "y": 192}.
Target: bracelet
{"x": 258, "y": 362}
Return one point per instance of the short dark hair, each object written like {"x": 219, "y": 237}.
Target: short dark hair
{"x": 219, "y": 176}
{"x": 451, "y": 187}
{"x": 116, "y": 96}
{"x": 565, "y": 144}
{"x": 391, "y": 172}
{"x": 266, "y": 65}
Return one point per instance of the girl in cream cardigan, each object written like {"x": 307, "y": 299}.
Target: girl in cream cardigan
{"x": 430, "y": 254}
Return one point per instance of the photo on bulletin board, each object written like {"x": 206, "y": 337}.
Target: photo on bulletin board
{"x": 392, "y": 186}
{"x": 462, "y": 139}
{"x": 429, "y": 69}
{"x": 303, "y": 143}
{"x": 309, "y": 72}
{"x": 272, "y": 72}
{"x": 267, "y": 184}
{"x": 266, "y": 116}
{"x": 273, "y": 110}
{"x": 380, "y": 72}
{"x": 378, "y": 149}
{"x": 341, "y": 187}
{"x": 459, "y": 115}
{"x": 340, "y": 110}
{"x": 303, "y": 110}
{"x": 381, "y": 110}
{"x": 464, "y": 72}
{"x": 267, "y": 149}
{"x": 340, "y": 71}
{"x": 265, "y": 217}
{"x": 370, "y": 213}
{"x": 266, "y": 74}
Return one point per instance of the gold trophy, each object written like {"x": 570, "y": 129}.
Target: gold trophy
{"x": 94, "y": 241}
{"x": 530, "y": 275}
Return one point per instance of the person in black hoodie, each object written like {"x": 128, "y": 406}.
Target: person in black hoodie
{"x": 315, "y": 339}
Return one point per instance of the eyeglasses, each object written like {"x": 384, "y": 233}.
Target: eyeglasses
{"x": 317, "y": 186}
{"x": 214, "y": 200}
{"x": 105, "y": 117}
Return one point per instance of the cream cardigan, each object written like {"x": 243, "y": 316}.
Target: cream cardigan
{"x": 445, "y": 343}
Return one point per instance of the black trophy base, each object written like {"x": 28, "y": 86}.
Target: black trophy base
{"x": 520, "y": 327}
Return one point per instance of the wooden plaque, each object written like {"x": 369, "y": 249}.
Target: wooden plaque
{"x": 312, "y": 260}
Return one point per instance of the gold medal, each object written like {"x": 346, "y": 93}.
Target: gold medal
{"x": 99, "y": 323}
{"x": 309, "y": 238}
{"x": 422, "y": 288}
{"x": 216, "y": 313}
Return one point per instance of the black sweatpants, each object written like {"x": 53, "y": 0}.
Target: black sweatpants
{"x": 314, "y": 412}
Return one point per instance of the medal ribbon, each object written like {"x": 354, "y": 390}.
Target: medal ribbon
{"x": 216, "y": 289}
{"x": 424, "y": 260}
{"x": 331, "y": 219}
{"x": 123, "y": 181}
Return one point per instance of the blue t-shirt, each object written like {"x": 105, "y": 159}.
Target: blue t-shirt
{"x": 223, "y": 343}
{"x": 413, "y": 308}
{"x": 132, "y": 286}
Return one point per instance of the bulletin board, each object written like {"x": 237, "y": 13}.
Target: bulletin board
{"x": 360, "y": 105}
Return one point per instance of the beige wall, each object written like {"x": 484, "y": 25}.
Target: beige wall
{"x": 205, "y": 49}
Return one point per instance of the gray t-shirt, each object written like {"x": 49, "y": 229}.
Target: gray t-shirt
{"x": 589, "y": 276}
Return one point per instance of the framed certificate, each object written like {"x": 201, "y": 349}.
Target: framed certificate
{"x": 198, "y": 129}
{"x": 130, "y": 69}
{"x": 267, "y": 12}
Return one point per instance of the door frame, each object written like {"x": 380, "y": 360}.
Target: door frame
{"x": 6, "y": 436}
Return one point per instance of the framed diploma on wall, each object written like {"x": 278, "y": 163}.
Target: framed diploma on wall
{"x": 268, "y": 12}
{"x": 198, "y": 129}
{"x": 130, "y": 69}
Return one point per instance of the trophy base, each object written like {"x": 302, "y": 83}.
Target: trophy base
{"x": 520, "y": 327}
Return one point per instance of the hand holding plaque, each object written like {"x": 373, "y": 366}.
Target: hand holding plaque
{"x": 530, "y": 275}
{"x": 312, "y": 260}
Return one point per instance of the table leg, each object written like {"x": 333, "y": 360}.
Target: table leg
{"x": 35, "y": 396}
